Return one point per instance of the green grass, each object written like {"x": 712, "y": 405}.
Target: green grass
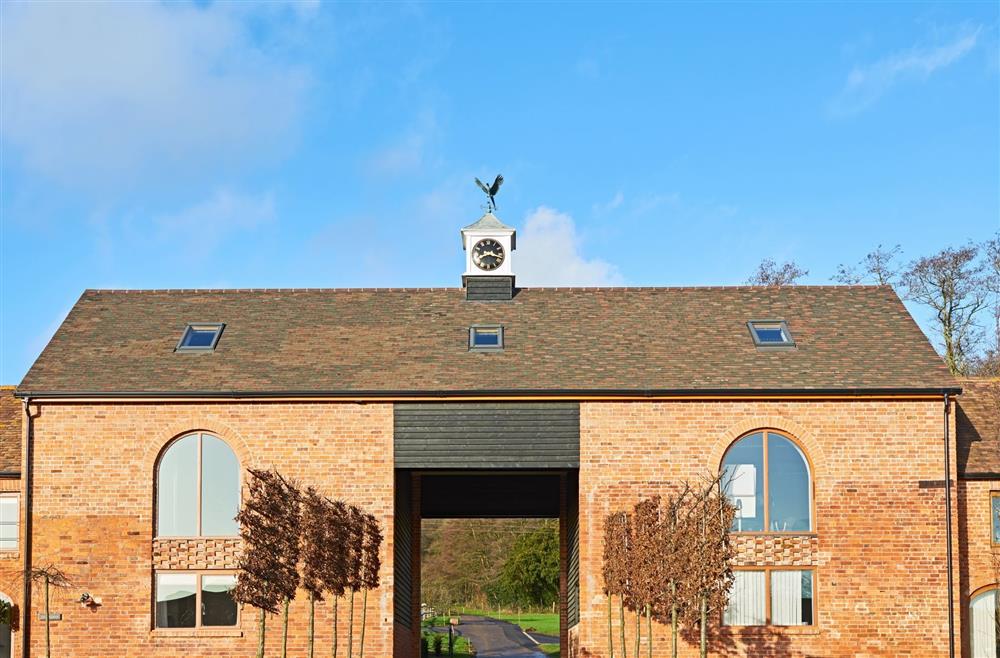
{"x": 551, "y": 650}
{"x": 546, "y": 623}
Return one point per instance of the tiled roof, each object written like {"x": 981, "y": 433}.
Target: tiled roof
{"x": 977, "y": 426}
{"x": 10, "y": 430}
{"x": 557, "y": 339}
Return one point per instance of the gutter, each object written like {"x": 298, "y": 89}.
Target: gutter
{"x": 948, "y": 538}
{"x": 498, "y": 393}
{"x": 26, "y": 602}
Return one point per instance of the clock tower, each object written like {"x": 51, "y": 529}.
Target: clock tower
{"x": 488, "y": 246}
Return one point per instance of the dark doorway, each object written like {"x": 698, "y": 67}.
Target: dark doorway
{"x": 486, "y": 494}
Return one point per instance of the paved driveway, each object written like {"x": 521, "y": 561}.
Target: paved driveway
{"x": 497, "y": 639}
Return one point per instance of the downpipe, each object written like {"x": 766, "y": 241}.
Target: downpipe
{"x": 948, "y": 539}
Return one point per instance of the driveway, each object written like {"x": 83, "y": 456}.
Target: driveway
{"x": 497, "y": 639}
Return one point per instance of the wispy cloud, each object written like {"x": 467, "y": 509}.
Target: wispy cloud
{"x": 550, "y": 253}
{"x": 408, "y": 153}
{"x": 107, "y": 92}
{"x": 866, "y": 84}
{"x": 202, "y": 226}
{"x": 612, "y": 204}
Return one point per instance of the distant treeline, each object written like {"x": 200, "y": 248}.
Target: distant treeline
{"x": 490, "y": 563}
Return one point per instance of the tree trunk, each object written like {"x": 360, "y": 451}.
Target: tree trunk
{"x": 48, "y": 624}
{"x": 350, "y": 626}
{"x": 284, "y": 631}
{"x": 704, "y": 626}
{"x": 649, "y": 630}
{"x": 673, "y": 619}
{"x": 260, "y": 633}
{"x": 312, "y": 622}
{"x": 364, "y": 616}
{"x": 611, "y": 635}
{"x": 621, "y": 610}
{"x": 335, "y": 629}
{"x": 638, "y": 627}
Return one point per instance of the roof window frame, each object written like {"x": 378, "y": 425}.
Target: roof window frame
{"x": 754, "y": 325}
{"x": 219, "y": 327}
{"x": 473, "y": 329}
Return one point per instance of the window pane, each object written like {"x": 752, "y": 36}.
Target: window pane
{"x": 746, "y": 600}
{"x": 199, "y": 337}
{"x": 983, "y": 621}
{"x": 770, "y": 334}
{"x": 220, "y": 488}
{"x": 486, "y": 337}
{"x": 791, "y": 598}
{"x": 177, "y": 490}
{"x": 743, "y": 477}
{"x": 788, "y": 485}
{"x": 175, "y": 600}
{"x": 217, "y": 605}
{"x": 8, "y": 509}
{"x": 995, "y": 511}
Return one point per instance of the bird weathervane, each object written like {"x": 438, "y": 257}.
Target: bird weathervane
{"x": 491, "y": 191}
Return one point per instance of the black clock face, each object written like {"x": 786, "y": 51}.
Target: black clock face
{"x": 487, "y": 254}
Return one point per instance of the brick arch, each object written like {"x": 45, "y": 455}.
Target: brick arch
{"x": 795, "y": 430}
{"x": 159, "y": 440}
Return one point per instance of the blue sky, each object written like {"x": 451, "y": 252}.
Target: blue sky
{"x": 318, "y": 145}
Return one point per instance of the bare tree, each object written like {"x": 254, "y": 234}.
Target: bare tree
{"x": 50, "y": 576}
{"x": 771, "y": 275}
{"x": 952, "y": 283}
{"x": 987, "y": 364}
{"x": 270, "y": 526}
{"x": 878, "y": 267}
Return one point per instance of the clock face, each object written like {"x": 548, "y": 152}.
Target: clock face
{"x": 487, "y": 254}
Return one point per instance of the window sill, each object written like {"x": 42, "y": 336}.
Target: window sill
{"x": 773, "y": 630}
{"x": 774, "y": 533}
{"x": 196, "y": 632}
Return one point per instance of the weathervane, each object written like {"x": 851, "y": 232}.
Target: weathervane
{"x": 491, "y": 191}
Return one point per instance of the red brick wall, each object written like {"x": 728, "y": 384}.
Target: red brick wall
{"x": 93, "y": 507}
{"x": 879, "y": 544}
{"x": 976, "y": 560}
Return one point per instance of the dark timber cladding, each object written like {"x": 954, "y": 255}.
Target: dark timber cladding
{"x": 402, "y": 551}
{"x": 509, "y": 435}
{"x": 489, "y": 288}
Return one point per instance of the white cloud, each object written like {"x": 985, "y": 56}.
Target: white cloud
{"x": 866, "y": 84}
{"x": 103, "y": 91}
{"x": 202, "y": 226}
{"x": 549, "y": 253}
{"x": 613, "y": 204}
{"x": 409, "y": 153}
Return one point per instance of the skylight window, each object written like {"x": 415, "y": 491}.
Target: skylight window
{"x": 770, "y": 333}
{"x": 486, "y": 337}
{"x": 200, "y": 337}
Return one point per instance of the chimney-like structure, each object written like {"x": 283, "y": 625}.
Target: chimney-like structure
{"x": 489, "y": 273}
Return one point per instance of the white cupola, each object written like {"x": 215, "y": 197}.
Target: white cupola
{"x": 489, "y": 245}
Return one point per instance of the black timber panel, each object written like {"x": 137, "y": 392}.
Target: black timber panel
{"x": 402, "y": 554}
{"x": 510, "y": 435}
{"x": 489, "y": 288}
{"x": 573, "y": 548}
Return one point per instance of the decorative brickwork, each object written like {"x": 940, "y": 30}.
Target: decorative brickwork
{"x": 195, "y": 554}
{"x": 791, "y": 550}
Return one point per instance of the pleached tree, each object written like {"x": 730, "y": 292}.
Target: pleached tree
{"x": 646, "y": 561}
{"x": 336, "y": 571}
{"x": 270, "y": 526}
{"x": 315, "y": 550}
{"x": 371, "y": 563}
{"x": 355, "y": 547}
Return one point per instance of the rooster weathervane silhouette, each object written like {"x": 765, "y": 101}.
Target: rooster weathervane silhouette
{"x": 491, "y": 191}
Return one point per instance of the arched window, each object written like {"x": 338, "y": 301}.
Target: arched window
{"x": 767, "y": 477}
{"x": 983, "y": 624}
{"x": 197, "y": 488}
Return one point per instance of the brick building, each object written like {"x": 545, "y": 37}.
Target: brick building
{"x": 827, "y": 403}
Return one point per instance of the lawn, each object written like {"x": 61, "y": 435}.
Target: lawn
{"x": 546, "y": 623}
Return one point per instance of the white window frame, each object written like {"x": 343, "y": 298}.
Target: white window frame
{"x": 16, "y": 522}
